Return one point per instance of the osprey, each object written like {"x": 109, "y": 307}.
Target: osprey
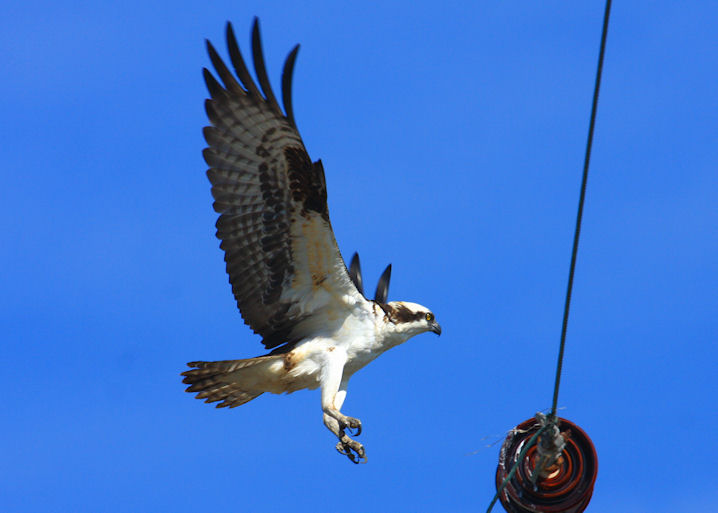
{"x": 289, "y": 279}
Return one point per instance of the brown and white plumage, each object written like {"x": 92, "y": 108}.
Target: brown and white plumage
{"x": 288, "y": 277}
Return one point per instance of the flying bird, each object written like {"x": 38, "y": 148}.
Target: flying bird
{"x": 288, "y": 277}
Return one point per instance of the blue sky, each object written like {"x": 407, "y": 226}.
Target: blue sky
{"x": 452, "y": 140}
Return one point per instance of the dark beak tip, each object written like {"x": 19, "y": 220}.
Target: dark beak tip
{"x": 436, "y": 329}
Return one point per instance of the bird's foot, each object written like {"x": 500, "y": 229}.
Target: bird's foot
{"x": 351, "y": 423}
{"x": 351, "y": 449}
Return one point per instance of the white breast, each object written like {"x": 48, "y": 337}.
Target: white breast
{"x": 363, "y": 335}
{"x": 367, "y": 334}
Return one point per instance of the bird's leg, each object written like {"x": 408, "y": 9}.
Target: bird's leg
{"x": 346, "y": 446}
{"x": 344, "y": 421}
{"x": 331, "y": 410}
{"x": 333, "y": 425}
{"x": 332, "y": 400}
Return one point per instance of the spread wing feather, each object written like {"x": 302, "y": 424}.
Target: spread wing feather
{"x": 282, "y": 258}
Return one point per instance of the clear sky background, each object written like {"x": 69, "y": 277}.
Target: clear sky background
{"x": 452, "y": 140}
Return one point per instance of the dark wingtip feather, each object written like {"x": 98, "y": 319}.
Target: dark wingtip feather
{"x": 382, "y": 288}
{"x": 208, "y": 156}
{"x": 238, "y": 62}
{"x": 260, "y": 68}
{"x": 209, "y": 109}
{"x": 214, "y": 87}
{"x": 229, "y": 81}
{"x": 355, "y": 273}
{"x": 287, "y": 75}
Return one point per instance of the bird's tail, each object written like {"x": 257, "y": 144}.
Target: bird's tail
{"x": 233, "y": 382}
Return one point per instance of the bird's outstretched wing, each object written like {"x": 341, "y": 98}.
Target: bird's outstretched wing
{"x": 282, "y": 258}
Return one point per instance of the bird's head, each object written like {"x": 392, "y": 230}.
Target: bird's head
{"x": 406, "y": 319}
{"x": 411, "y": 319}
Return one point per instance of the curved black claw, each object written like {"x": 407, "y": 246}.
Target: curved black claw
{"x": 352, "y": 450}
{"x": 354, "y": 425}
{"x": 346, "y": 451}
{"x": 355, "y": 430}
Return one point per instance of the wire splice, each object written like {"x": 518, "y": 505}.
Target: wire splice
{"x": 549, "y": 447}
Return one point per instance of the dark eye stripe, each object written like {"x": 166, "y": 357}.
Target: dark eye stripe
{"x": 400, "y": 313}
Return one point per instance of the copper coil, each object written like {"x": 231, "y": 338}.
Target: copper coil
{"x": 565, "y": 487}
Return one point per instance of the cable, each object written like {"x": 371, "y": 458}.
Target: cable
{"x": 579, "y": 216}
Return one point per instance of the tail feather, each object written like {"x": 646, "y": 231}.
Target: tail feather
{"x": 227, "y": 381}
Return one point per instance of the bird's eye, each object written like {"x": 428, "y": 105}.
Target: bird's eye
{"x": 430, "y": 317}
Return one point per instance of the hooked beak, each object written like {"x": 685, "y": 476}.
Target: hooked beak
{"x": 436, "y": 328}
